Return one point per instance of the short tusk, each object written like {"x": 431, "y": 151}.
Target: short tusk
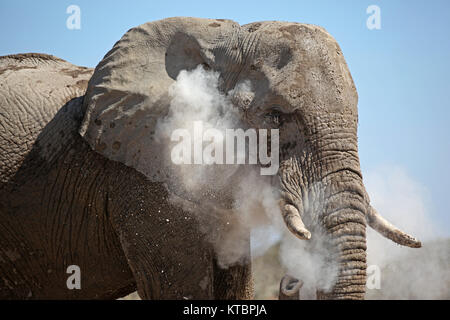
{"x": 381, "y": 225}
{"x": 294, "y": 222}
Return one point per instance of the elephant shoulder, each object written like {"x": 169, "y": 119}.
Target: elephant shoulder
{"x": 38, "y": 73}
{"x": 34, "y": 89}
{"x": 29, "y": 58}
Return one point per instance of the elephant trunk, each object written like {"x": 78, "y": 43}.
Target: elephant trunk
{"x": 347, "y": 233}
{"x": 333, "y": 211}
{"x": 342, "y": 217}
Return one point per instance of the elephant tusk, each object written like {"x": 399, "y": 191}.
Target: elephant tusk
{"x": 294, "y": 222}
{"x": 385, "y": 228}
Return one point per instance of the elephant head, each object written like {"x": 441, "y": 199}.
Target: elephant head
{"x": 300, "y": 84}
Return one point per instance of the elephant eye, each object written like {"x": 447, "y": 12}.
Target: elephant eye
{"x": 274, "y": 115}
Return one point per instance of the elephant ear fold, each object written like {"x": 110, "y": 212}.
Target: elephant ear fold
{"x": 128, "y": 91}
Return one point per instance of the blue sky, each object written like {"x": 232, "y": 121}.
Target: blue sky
{"x": 401, "y": 71}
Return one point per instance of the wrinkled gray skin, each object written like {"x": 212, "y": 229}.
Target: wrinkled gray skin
{"x": 83, "y": 181}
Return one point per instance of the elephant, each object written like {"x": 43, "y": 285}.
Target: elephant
{"x": 85, "y": 182}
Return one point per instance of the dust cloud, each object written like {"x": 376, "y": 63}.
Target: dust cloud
{"x": 195, "y": 96}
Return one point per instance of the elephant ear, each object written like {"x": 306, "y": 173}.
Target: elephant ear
{"x": 128, "y": 91}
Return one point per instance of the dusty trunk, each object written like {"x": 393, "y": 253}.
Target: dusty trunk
{"x": 325, "y": 185}
{"x": 343, "y": 218}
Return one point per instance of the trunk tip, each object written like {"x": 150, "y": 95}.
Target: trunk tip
{"x": 290, "y": 288}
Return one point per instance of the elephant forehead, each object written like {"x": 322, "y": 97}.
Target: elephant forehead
{"x": 283, "y": 42}
{"x": 304, "y": 67}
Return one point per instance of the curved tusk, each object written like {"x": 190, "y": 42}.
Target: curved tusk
{"x": 294, "y": 222}
{"x": 381, "y": 225}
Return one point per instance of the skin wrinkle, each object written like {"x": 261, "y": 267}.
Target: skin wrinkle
{"x": 353, "y": 200}
{"x": 50, "y": 209}
{"x": 356, "y": 255}
{"x": 345, "y": 244}
{"x": 81, "y": 182}
{"x": 252, "y": 41}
